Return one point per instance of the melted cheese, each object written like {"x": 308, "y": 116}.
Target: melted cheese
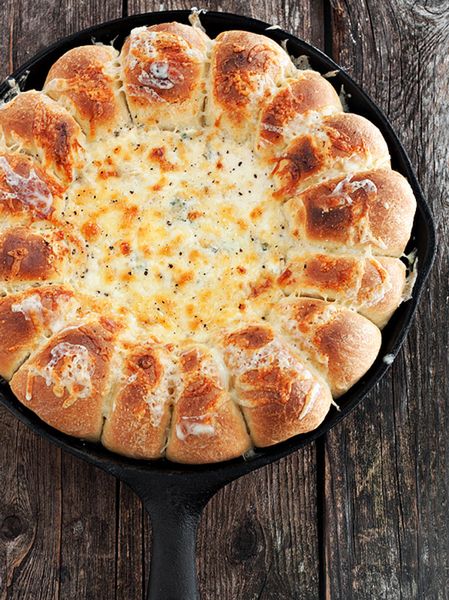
{"x": 74, "y": 371}
{"x": 194, "y": 426}
{"x": 181, "y": 229}
{"x": 30, "y": 191}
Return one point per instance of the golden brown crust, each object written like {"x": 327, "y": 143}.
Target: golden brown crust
{"x": 373, "y": 209}
{"x": 27, "y": 192}
{"x": 352, "y": 134}
{"x": 372, "y": 286}
{"x": 163, "y": 74}
{"x": 66, "y": 383}
{"x": 341, "y": 343}
{"x": 137, "y": 423}
{"x": 390, "y": 273}
{"x": 84, "y": 80}
{"x": 206, "y": 426}
{"x": 341, "y": 143}
{"x": 280, "y": 396}
{"x": 39, "y": 126}
{"x": 196, "y": 38}
{"x": 26, "y": 318}
{"x": 292, "y": 107}
{"x": 245, "y": 71}
{"x": 26, "y": 256}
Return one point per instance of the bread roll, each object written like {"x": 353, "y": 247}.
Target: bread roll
{"x": 372, "y": 286}
{"x": 245, "y": 72}
{"x": 163, "y": 69}
{"x": 33, "y": 257}
{"x": 27, "y": 318}
{"x": 342, "y": 143}
{"x": 85, "y": 81}
{"x": 37, "y": 125}
{"x": 369, "y": 210}
{"x": 68, "y": 381}
{"x": 301, "y": 102}
{"x": 206, "y": 426}
{"x": 280, "y": 396}
{"x": 137, "y": 421}
{"x": 340, "y": 343}
{"x": 27, "y": 192}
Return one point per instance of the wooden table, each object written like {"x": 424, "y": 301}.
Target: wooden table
{"x": 363, "y": 513}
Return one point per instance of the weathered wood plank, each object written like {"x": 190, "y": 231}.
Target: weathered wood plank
{"x": 88, "y": 548}
{"x": 131, "y": 575}
{"x": 386, "y": 466}
{"x": 386, "y": 484}
{"x": 304, "y": 19}
{"x": 30, "y": 513}
{"x": 27, "y": 26}
{"x": 258, "y": 536}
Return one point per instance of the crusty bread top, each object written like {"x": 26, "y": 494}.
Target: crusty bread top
{"x": 245, "y": 71}
{"x": 370, "y": 209}
{"x": 294, "y": 107}
{"x": 280, "y": 395}
{"x": 139, "y": 412}
{"x": 163, "y": 74}
{"x": 372, "y": 286}
{"x": 198, "y": 247}
{"x": 85, "y": 81}
{"x": 28, "y": 317}
{"x": 340, "y": 143}
{"x": 341, "y": 343}
{"x": 41, "y": 127}
{"x": 67, "y": 382}
{"x": 206, "y": 425}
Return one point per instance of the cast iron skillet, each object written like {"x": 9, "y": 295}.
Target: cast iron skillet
{"x": 174, "y": 495}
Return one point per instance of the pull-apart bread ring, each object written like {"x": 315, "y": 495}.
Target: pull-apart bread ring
{"x": 198, "y": 246}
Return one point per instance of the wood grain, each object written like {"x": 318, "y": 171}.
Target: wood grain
{"x": 30, "y": 513}
{"x": 362, "y": 514}
{"x": 304, "y": 19}
{"x": 387, "y": 473}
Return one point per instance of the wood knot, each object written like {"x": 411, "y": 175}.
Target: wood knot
{"x": 12, "y": 527}
{"x": 246, "y": 542}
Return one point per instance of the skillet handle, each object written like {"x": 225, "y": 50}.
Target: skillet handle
{"x": 175, "y": 513}
{"x": 173, "y": 552}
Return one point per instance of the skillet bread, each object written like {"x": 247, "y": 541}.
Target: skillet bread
{"x": 198, "y": 246}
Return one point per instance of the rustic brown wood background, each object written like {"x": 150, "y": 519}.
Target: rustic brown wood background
{"x": 362, "y": 513}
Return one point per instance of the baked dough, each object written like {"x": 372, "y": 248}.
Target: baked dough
{"x": 198, "y": 246}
